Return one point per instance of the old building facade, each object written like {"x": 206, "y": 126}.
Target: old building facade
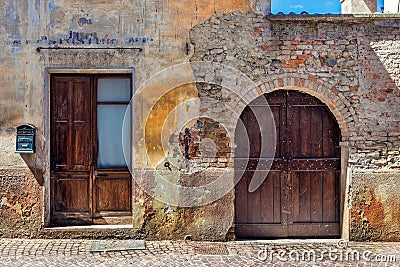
{"x": 153, "y": 118}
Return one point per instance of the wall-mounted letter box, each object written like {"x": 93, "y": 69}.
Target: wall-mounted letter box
{"x": 25, "y": 139}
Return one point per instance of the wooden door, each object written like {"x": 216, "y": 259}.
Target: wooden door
{"x": 88, "y": 184}
{"x": 300, "y": 195}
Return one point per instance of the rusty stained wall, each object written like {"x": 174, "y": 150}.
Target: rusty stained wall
{"x": 375, "y": 206}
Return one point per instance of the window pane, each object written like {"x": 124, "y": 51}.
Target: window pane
{"x": 110, "y": 120}
{"x": 114, "y": 89}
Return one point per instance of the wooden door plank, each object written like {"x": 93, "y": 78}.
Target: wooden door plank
{"x": 304, "y": 196}
{"x": 337, "y": 195}
{"x": 294, "y": 144}
{"x": 267, "y": 199}
{"x": 279, "y": 114}
{"x": 253, "y": 131}
{"x": 331, "y": 135}
{"x": 304, "y": 128}
{"x": 316, "y": 197}
{"x": 328, "y": 144}
{"x": 329, "y": 204}
{"x": 285, "y": 198}
{"x": 253, "y": 203}
{"x": 316, "y": 132}
{"x": 241, "y": 198}
{"x": 295, "y": 196}
{"x": 276, "y": 177}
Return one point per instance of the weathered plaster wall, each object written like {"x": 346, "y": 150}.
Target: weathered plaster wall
{"x": 160, "y": 29}
{"x": 21, "y": 203}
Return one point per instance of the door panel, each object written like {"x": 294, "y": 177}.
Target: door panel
{"x": 331, "y": 212}
{"x": 314, "y": 195}
{"x": 71, "y": 129}
{"x": 113, "y": 194}
{"x": 300, "y": 196}
{"x": 72, "y": 194}
{"x": 259, "y": 213}
{"x": 59, "y": 148}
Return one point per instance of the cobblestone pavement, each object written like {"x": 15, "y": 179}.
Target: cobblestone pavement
{"x": 33, "y": 252}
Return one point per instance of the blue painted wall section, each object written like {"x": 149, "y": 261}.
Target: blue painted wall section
{"x": 12, "y": 22}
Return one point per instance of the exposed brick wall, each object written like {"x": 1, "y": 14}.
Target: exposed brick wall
{"x": 207, "y": 142}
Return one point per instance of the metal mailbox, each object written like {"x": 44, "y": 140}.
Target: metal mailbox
{"x": 26, "y": 139}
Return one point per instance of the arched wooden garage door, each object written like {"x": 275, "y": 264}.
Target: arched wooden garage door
{"x": 300, "y": 196}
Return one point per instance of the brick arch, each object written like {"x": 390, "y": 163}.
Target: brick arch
{"x": 338, "y": 105}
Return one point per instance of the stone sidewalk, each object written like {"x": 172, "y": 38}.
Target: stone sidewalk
{"x": 51, "y": 252}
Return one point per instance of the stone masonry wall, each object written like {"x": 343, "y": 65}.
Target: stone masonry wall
{"x": 349, "y": 61}
{"x": 352, "y": 66}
